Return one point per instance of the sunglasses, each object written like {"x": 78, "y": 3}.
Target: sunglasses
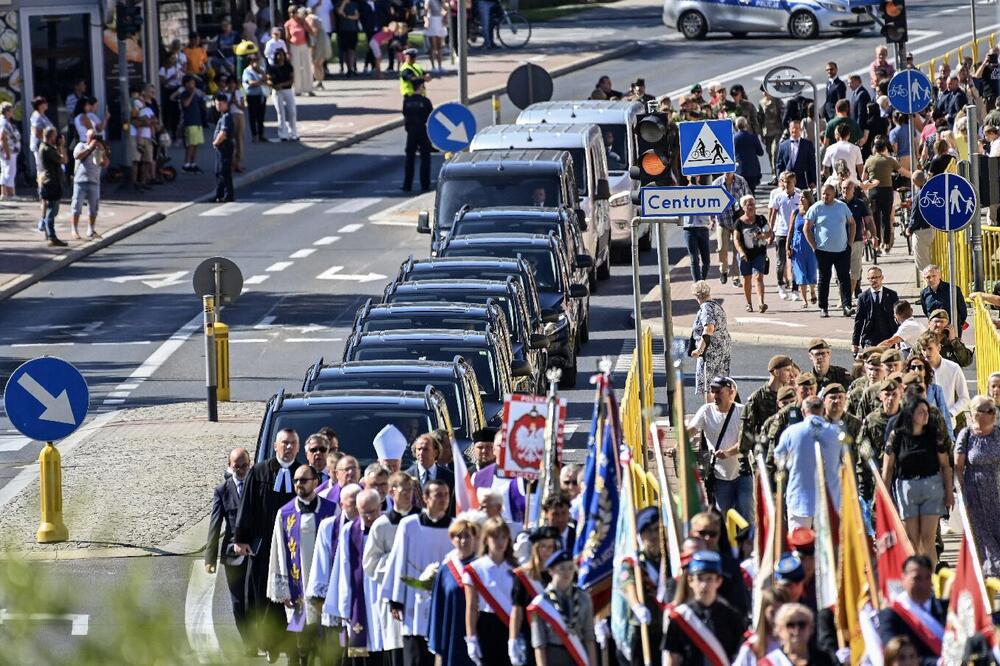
{"x": 571, "y": 482}
{"x": 707, "y": 534}
{"x": 318, "y": 449}
{"x": 987, "y": 410}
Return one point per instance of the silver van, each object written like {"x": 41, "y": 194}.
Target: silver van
{"x": 617, "y": 121}
{"x": 590, "y": 166}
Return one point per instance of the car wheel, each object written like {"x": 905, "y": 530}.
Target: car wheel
{"x": 692, "y": 25}
{"x": 568, "y": 378}
{"x": 646, "y": 240}
{"x": 738, "y": 35}
{"x": 803, "y": 25}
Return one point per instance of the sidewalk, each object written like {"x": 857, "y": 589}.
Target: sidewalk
{"x": 343, "y": 113}
{"x": 139, "y": 485}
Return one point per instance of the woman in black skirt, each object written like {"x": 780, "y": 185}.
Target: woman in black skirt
{"x": 489, "y": 580}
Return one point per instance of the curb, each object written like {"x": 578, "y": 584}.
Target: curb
{"x": 24, "y": 281}
{"x": 752, "y": 338}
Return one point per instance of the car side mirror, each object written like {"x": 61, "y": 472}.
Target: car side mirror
{"x": 520, "y": 368}
{"x": 423, "y": 222}
{"x": 539, "y": 341}
{"x": 603, "y": 189}
{"x": 549, "y": 316}
{"x": 581, "y": 219}
{"x": 584, "y": 261}
{"x": 578, "y": 291}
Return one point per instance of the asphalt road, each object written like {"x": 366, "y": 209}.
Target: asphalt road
{"x": 315, "y": 242}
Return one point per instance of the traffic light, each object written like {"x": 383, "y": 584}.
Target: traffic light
{"x": 653, "y": 166}
{"x": 128, "y": 19}
{"x": 894, "y": 21}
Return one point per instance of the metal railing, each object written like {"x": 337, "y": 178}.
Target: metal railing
{"x": 987, "y": 344}
{"x": 963, "y": 258}
{"x": 970, "y": 47}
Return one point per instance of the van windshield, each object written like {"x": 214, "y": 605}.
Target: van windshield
{"x": 494, "y": 190}
{"x": 449, "y": 388}
{"x": 615, "y": 139}
{"x": 360, "y": 426}
{"x": 480, "y": 360}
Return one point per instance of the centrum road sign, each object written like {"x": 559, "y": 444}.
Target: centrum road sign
{"x": 689, "y": 200}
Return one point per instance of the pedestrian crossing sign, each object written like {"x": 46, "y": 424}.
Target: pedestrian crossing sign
{"x": 707, "y": 147}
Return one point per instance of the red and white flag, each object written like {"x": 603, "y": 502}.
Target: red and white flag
{"x": 969, "y": 606}
{"x": 892, "y": 546}
{"x": 465, "y": 493}
{"x": 763, "y": 546}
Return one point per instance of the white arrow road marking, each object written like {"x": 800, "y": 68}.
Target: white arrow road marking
{"x": 767, "y": 320}
{"x": 333, "y": 273}
{"x": 154, "y": 280}
{"x": 198, "y": 613}
{"x": 80, "y": 621}
{"x": 456, "y": 131}
{"x": 57, "y": 408}
{"x": 312, "y": 328}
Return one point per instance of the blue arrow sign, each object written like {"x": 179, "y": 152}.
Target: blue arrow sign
{"x": 451, "y": 127}
{"x": 910, "y": 91}
{"x": 689, "y": 200}
{"x": 46, "y": 399}
{"x": 707, "y": 147}
{"x": 948, "y": 202}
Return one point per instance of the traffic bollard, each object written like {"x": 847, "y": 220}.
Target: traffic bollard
{"x": 222, "y": 361}
{"x": 51, "y": 528}
{"x": 496, "y": 109}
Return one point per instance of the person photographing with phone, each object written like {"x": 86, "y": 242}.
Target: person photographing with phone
{"x": 91, "y": 156}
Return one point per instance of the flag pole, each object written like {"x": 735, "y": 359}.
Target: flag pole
{"x": 779, "y": 507}
{"x": 640, "y": 593}
{"x": 677, "y": 421}
{"x": 549, "y": 475}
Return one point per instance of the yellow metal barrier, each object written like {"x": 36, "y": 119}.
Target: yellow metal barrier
{"x": 987, "y": 344}
{"x": 963, "y": 259}
{"x": 222, "y": 361}
{"x": 972, "y": 47}
{"x": 991, "y": 257}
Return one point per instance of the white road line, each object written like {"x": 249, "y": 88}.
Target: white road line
{"x": 288, "y": 208}
{"x": 327, "y": 240}
{"x": 80, "y": 621}
{"x": 395, "y": 223}
{"x": 118, "y": 394}
{"x": 226, "y": 209}
{"x": 198, "y": 622}
{"x": 313, "y": 339}
{"x": 302, "y": 254}
{"x": 124, "y": 342}
{"x": 264, "y": 323}
{"x": 43, "y": 344}
{"x": 126, "y": 387}
{"x": 278, "y": 266}
{"x": 256, "y": 279}
{"x": 235, "y": 341}
{"x": 349, "y": 228}
{"x": 163, "y": 353}
{"x": 113, "y": 401}
{"x": 8, "y": 444}
{"x": 936, "y": 46}
{"x": 296, "y": 182}
{"x": 353, "y": 205}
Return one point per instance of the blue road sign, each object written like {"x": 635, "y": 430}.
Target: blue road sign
{"x": 910, "y": 91}
{"x": 707, "y": 147}
{"x": 451, "y": 127}
{"x": 690, "y": 200}
{"x": 948, "y": 202}
{"x": 46, "y": 399}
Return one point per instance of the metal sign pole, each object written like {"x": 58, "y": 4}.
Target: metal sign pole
{"x": 972, "y": 132}
{"x": 815, "y": 120}
{"x": 463, "y": 53}
{"x": 217, "y": 274}
{"x": 953, "y": 314}
{"x": 637, "y": 309}
{"x": 666, "y": 310}
{"x": 211, "y": 381}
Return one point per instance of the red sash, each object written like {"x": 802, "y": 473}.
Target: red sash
{"x": 922, "y": 623}
{"x": 502, "y": 613}
{"x": 545, "y": 610}
{"x": 455, "y": 567}
{"x": 695, "y": 629}
{"x": 775, "y": 658}
{"x": 533, "y": 587}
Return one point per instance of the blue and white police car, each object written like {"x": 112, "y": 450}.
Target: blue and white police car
{"x": 802, "y": 19}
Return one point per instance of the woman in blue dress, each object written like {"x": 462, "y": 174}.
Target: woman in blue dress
{"x": 803, "y": 259}
{"x": 446, "y": 636}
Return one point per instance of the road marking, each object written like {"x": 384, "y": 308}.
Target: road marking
{"x": 114, "y": 401}
{"x": 233, "y": 341}
{"x": 313, "y": 339}
{"x": 126, "y": 387}
{"x": 119, "y": 394}
{"x": 288, "y": 208}
{"x": 624, "y": 361}
{"x": 153, "y": 280}
{"x": 349, "y": 228}
{"x": 166, "y": 350}
{"x": 334, "y": 273}
{"x": 353, "y": 205}
{"x": 124, "y": 342}
{"x": 43, "y": 344}
{"x": 8, "y": 444}
{"x": 296, "y": 182}
{"x": 264, "y": 323}
{"x": 80, "y": 621}
{"x": 256, "y": 279}
{"x": 302, "y": 254}
{"x": 327, "y": 240}
{"x": 768, "y": 320}
{"x": 394, "y": 223}
{"x": 226, "y": 209}
{"x": 278, "y": 266}
{"x": 198, "y": 621}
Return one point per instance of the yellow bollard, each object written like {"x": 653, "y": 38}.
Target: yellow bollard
{"x": 222, "y": 361}
{"x": 51, "y": 528}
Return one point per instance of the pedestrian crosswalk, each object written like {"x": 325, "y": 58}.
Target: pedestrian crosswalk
{"x": 339, "y": 207}
{"x": 624, "y": 361}
{"x": 353, "y": 205}
{"x": 290, "y": 208}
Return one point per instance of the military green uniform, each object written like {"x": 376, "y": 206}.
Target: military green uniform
{"x": 774, "y": 426}
{"x": 871, "y": 444}
{"x": 955, "y": 350}
{"x": 855, "y": 392}
{"x": 866, "y": 403}
{"x": 760, "y": 406}
{"x": 835, "y": 375}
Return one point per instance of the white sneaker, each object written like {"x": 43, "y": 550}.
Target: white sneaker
{"x": 792, "y": 296}
{"x": 782, "y": 294}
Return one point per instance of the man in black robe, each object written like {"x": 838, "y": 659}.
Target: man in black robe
{"x": 268, "y": 488}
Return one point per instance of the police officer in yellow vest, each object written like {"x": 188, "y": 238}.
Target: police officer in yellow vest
{"x": 410, "y": 72}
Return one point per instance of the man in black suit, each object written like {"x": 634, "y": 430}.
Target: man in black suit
{"x": 836, "y": 90}
{"x": 797, "y": 155}
{"x": 225, "y": 505}
{"x": 427, "y": 450}
{"x": 875, "y": 320}
{"x": 268, "y": 487}
{"x": 915, "y": 613}
{"x": 860, "y": 98}
{"x": 556, "y": 510}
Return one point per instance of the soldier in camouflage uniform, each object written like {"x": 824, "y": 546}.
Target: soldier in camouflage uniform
{"x": 805, "y": 387}
{"x": 873, "y": 434}
{"x": 952, "y": 348}
{"x": 770, "y": 112}
{"x": 694, "y": 106}
{"x": 873, "y": 374}
{"x": 763, "y": 404}
{"x": 826, "y": 374}
{"x": 835, "y": 411}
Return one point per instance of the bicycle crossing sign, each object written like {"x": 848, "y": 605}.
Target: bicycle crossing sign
{"x": 910, "y": 91}
{"x": 948, "y": 202}
{"x": 707, "y": 147}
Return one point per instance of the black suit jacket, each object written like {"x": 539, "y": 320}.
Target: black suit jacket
{"x": 891, "y": 625}
{"x": 874, "y": 323}
{"x": 805, "y": 161}
{"x": 836, "y": 90}
{"x": 441, "y": 473}
{"x": 860, "y": 99}
{"x": 225, "y": 506}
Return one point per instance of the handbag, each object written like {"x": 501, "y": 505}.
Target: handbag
{"x": 692, "y": 344}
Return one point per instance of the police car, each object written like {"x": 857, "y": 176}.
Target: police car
{"x": 802, "y": 19}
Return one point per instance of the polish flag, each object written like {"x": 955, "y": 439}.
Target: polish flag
{"x": 892, "y": 546}
{"x": 465, "y": 493}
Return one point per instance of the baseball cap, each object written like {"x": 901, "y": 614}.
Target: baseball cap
{"x": 410, "y": 52}
{"x": 779, "y": 361}
{"x": 558, "y": 558}
{"x": 705, "y": 561}
{"x": 940, "y": 313}
{"x": 722, "y": 382}
{"x": 818, "y": 343}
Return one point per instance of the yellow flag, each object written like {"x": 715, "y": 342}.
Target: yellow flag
{"x": 856, "y": 589}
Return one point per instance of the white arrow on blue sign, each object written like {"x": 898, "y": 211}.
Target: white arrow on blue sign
{"x": 910, "y": 91}
{"x": 46, "y": 399}
{"x": 689, "y": 200}
{"x": 948, "y": 202}
{"x": 450, "y": 127}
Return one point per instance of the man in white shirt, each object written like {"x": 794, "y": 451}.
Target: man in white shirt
{"x": 947, "y": 374}
{"x": 719, "y": 422}
{"x": 275, "y": 44}
{"x": 782, "y": 202}
{"x": 909, "y": 328}
{"x": 843, "y": 149}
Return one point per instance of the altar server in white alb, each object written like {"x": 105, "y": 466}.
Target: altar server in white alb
{"x": 323, "y": 582}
